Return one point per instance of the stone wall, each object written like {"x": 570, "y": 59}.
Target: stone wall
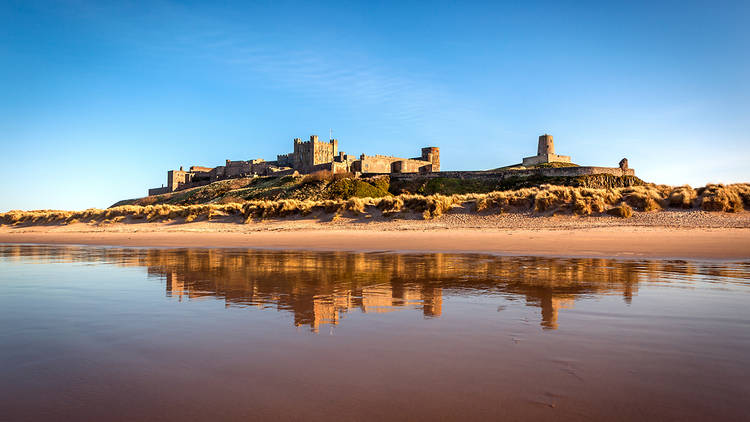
{"x": 216, "y": 173}
{"x": 340, "y": 167}
{"x": 158, "y": 191}
{"x": 545, "y": 158}
{"x": 285, "y": 160}
{"x": 410, "y": 166}
{"x": 387, "y": 164}
{"x": 236, "y": 168}
{"x": 545, "y": 172}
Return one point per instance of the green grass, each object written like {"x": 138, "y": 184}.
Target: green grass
{"x": 349, "y": 188}
{"x": 451, "y": 186}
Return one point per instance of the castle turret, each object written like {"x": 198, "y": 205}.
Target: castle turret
{"x": 432, "y": 154}
{"x": 335, "y": 145}
{"x": 545, "y": 153}
{"x": 546, "y": 145}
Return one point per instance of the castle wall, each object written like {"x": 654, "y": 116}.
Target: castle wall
{"x": 340, "y": 167}
{"x": 236, "y": 168}
{"x": 216, "y": 173}
{"x": 159, "y": 191}
{"x": 387, "y": 164}
{"x": 410, "y": 166}
{"x": 545, "y": 158}
{"x": 285, "y": 160}
{"x": 503, "y": 174}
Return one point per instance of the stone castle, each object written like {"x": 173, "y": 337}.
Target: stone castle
{"x": 308, "y": 157}
{"x": 315, "y": 155}
{"x": 545, "y": 153}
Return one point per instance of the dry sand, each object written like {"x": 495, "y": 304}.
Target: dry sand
{"x": 668, "y": 234}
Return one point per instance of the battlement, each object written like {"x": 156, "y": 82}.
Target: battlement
{"x": 363, "y": 156}
{"x": 314, "y": 140}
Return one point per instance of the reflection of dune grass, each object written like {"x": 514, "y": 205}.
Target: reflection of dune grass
{"x": 546, "y": 200}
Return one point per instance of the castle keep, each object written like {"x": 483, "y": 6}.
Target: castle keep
{"x": 307, "y": 157}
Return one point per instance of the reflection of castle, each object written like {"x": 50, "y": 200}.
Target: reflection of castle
{"x": 374, "y": 299}
{"x": 319, "y": 287}
{"x": 314, "y": 309}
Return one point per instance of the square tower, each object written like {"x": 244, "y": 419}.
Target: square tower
{"x": 309, "y": 154}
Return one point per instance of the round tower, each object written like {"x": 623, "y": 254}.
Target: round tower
{"x": 546, "y": 145}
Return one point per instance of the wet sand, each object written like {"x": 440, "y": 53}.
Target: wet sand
{"x": 131, "y": 334}
{"x": 619, "y": 242}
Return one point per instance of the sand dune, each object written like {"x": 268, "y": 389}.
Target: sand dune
{"x": 687, "y": 235}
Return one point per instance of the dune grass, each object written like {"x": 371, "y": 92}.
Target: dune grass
{"x": 544, "y": 200}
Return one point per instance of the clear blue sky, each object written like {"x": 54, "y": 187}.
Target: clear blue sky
{"x": 98, "y": 100}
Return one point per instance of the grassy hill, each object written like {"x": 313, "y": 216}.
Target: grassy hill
{"x": 323, "y": 186}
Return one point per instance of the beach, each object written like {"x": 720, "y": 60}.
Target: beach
{"x": 663, "y": 235}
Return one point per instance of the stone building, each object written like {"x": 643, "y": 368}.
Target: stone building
{"x": 307, "y": 157}
{"x": 429, "y": 161}
{"x": 310, "y": 154}
{"x": 545, "y": 153}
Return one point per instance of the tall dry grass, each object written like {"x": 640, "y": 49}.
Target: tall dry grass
{"x": 543, "y": 200}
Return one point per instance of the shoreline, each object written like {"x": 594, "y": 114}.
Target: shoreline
{"x": 621, "y": 242}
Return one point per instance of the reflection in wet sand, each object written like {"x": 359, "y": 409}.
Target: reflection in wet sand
{"x": 91, "y": 333}
{"x": 321, "y": 287}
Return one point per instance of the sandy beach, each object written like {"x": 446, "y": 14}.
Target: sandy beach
{"x": 672, "y": 235}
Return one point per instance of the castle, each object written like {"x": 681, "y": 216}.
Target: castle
{"x": 308, "y": 157}
{"x": 315, "y": 155}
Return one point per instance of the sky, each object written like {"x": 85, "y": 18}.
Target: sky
{"x": 99, "y": 99}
